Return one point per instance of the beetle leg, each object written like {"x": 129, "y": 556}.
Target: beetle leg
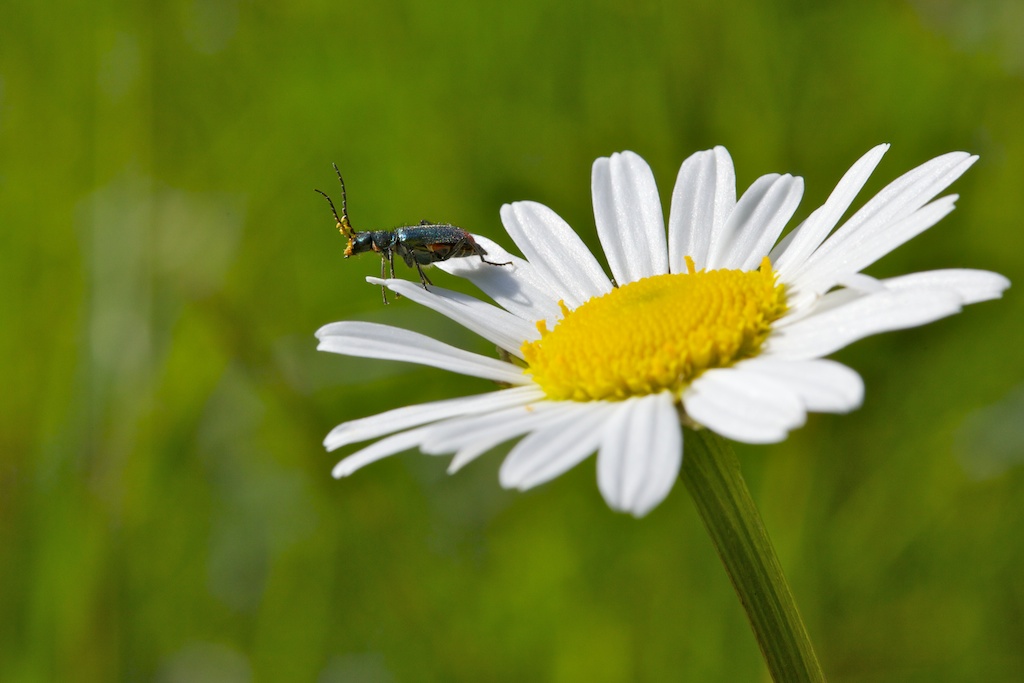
{"x": 383, "y": 289}
{"x": 423, "y": 276}
{"x": 453, "y": 250}
{"x": 460, "y": 245}
{"x": 391, "y": 264}
{"x": 493, "y": 263}
{"x": 479, "y": 251}
{"x": 468, "y": 241}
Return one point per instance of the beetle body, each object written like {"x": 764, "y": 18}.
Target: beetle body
{"x": 417, "y": 245}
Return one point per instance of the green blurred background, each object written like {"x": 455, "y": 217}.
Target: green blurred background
{"x": 166, "y": 510}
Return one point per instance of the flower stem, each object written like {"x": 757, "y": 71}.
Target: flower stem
{"x": 712, "y": 475}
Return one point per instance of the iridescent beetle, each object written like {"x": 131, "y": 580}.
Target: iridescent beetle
{"x": 418, "y": 245}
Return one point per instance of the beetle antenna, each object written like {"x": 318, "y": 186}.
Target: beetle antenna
{"x": 343, "y": 224}
{"x": 333, "y": 210}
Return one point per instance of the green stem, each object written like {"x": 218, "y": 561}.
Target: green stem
{"x": 712, "y": 475}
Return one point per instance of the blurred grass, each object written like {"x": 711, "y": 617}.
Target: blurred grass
{"x": 166, "y": 511}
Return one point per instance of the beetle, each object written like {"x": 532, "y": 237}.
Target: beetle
{"x": 418, "y": 245}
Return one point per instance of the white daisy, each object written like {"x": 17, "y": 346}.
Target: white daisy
{"x": 717, "y": 326}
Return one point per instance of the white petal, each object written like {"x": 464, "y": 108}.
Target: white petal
{"x": 784, "y": 244}
{"x": 396, "y": 443}
{"x": 457, "y": 433}
{"x": 756, "y": 222}
{"x": 873, "y": 222}
{"x": 703, "y": 198}
{"x": 820, "y": 334}
{"x": 905, "y": 195}
{"x": 971, "y": 285}
{"x": 556, "y": 251}
{"x": 519, "y": 288}
{"x": 861, "y": 283}
{"x": 823, "y": 386}
{"x": 802, "y": 242}
{"x": 371, "y": 340}
{"x": 546, "y": 453}
{"x": 469, "y": 453}
{"x": 806, "y": 304}
{"x": 413, "y": 416}
{"x": 490, "y": 322}
{"x": 744, "y": 406}
{"x": 629, "y": 219}
{"x": 641, "y": 454}
{"x": 495, "y": 427}
{"x": 869, "y": 245}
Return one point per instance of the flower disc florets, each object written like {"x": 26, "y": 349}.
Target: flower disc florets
{"x": 655, "y": 334}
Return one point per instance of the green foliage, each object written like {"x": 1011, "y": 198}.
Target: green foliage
{"x": 166, "y": 510}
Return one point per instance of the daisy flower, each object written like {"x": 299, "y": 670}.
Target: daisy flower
{"x": 716, "y": 324}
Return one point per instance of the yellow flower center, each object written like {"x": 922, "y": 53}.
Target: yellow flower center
{"x": 658, "y": 333}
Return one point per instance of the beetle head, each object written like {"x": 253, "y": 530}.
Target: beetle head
{"x": 359, "y": 242}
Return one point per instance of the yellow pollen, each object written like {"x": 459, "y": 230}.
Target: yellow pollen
{"x": 658, "y": 333}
